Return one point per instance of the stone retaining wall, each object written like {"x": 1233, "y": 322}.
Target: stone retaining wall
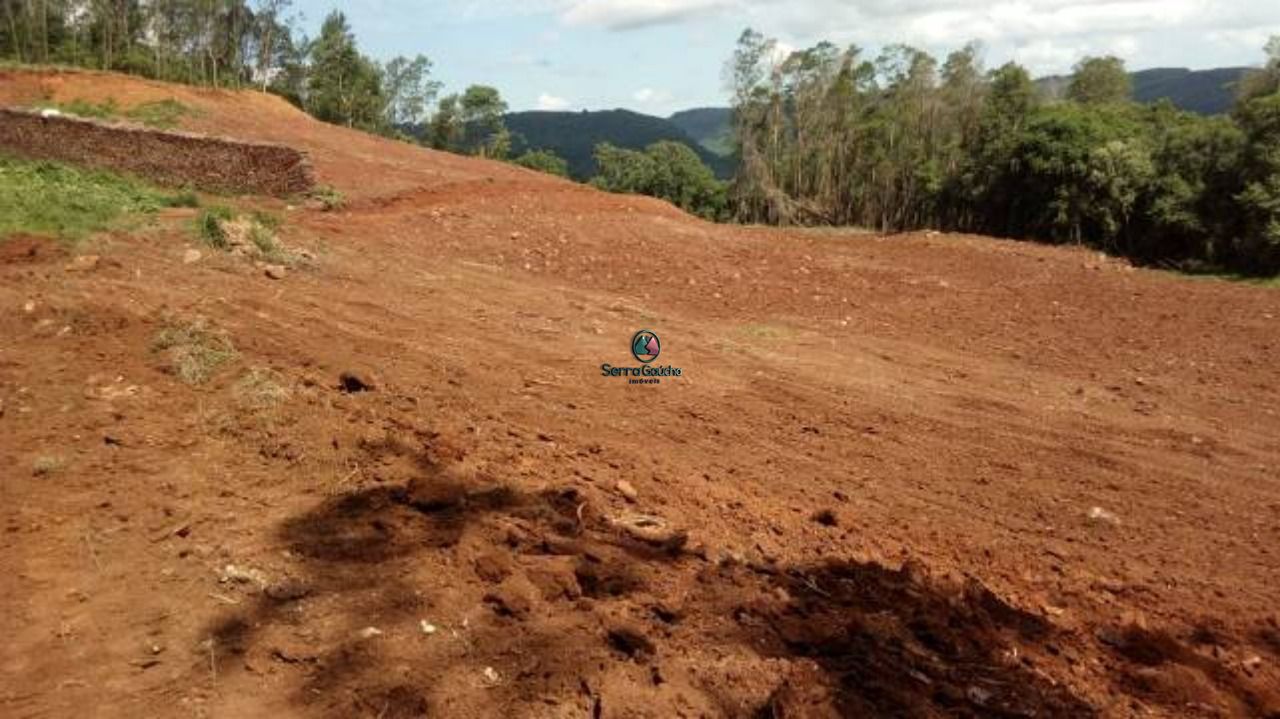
{"x": 170, "y": 158}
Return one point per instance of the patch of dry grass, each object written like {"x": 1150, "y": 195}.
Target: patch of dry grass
{"x": 46, "y": 465}
{"x": 195, "y": 349}
{"x": 261, "y": 388}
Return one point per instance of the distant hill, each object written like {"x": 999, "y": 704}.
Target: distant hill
{"x": 709, "y": 126}
{"x": 1208, "y": 92}
{"x": 574, "y": 136}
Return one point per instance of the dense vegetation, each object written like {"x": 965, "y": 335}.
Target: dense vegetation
{"x": 828, "y": 137}
{"x": 667, "y": 170}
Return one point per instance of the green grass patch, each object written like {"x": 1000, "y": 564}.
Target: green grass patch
{"x": 195, "y": 349}
{"x": 83, "y": 108}
{"x": 266, "y": 219}
{"x": 161, "y": 114}
{"x": 1214, "y": 274}
{"x": 50, "y": 198}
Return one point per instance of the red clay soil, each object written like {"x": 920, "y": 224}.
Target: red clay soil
{"x": 922, "y": 475}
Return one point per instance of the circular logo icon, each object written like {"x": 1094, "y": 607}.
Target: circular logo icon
{"x": 645, "y": 346}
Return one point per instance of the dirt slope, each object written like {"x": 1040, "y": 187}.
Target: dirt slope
{"x": 884, "y": 452}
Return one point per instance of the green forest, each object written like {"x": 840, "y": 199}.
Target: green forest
{"x": 821, "y": 136}
{"x": 901, "y": 142}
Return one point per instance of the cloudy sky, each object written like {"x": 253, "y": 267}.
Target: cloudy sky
{"x": 658, "y": 56}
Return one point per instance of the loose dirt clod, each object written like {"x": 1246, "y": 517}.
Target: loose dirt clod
{"x": 629, "y": 640}
{"x": 351, "y": 382}
{"x": 826, "y": 518}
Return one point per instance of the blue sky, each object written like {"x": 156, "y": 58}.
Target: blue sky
{"x": 658, "y": 56}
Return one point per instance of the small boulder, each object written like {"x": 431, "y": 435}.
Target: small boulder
{"x": 627, "y": 490}
{"x": 191, "y": 256}
{"x": 84, "y": 263}
{"x": 1098, "y": 515}
{"x": 275, "y": 272}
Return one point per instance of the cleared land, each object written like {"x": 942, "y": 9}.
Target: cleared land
{"x": 885, "y": 452}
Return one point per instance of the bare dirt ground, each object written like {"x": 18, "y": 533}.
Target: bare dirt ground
{"x": 884, "y": 452}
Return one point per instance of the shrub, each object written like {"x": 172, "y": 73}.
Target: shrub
{"x": 329, "y": 198}
{"x": 544, "y": 161}
{"x": 209, "y": 226}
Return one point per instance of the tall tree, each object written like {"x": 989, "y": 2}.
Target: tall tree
{"x": 344, "y": 86}
{"x": 407, "y": 89}
{"x": 482, "y": 108}
{"x": 1099, "y": 81}
{"x": 446, "y": 129}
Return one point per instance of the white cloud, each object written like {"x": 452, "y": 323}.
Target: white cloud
{"x": 1047, "y": 35}
{"x": 548, "y": 101}
{"x": 632, "y": 14}
{"x": 650, "y": 96}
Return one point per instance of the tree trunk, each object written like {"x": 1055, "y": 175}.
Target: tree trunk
{"x": 13, "y": 32}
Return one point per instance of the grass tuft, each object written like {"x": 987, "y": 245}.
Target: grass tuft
{"x": 261, "y": 388}
{"x": 329, "y": 198}
{"x": 194, "y": 348}
{"x": 209, "y": 226}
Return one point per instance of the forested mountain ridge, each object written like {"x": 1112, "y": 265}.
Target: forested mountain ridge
{"x": 709, "y": 126}
{"x": 574, "y": 136}
{"x": 1205, "y": 92}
